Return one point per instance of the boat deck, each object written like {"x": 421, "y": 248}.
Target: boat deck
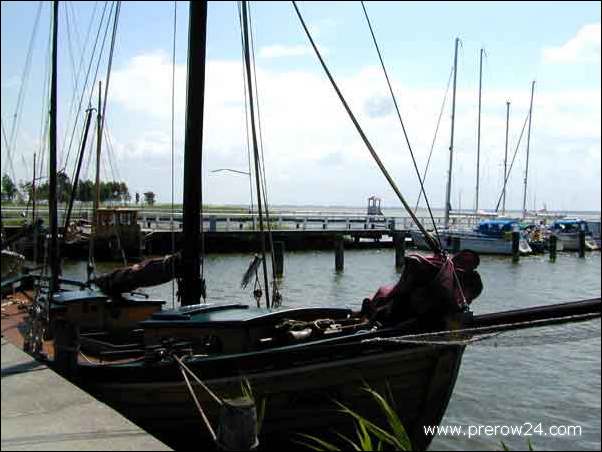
{"x": 43, "y": 411}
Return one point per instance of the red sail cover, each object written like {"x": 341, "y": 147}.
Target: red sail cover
{"x": 150, "y": 272}
{"x": 427, "y": 289}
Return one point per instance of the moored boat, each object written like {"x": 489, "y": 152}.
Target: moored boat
{"x": 488, "y": 237}
{"x": 568, "y": 230}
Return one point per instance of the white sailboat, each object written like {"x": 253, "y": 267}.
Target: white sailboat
{"x": 489, "y": 236}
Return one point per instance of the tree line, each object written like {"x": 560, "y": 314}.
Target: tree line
{"x": 109, "y": 190}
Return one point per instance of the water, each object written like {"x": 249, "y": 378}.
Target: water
{"x": 555, "y": 385}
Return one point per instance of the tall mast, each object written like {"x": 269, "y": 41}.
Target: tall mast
{"x": 476, "y": 207}
{"x": 52, "y": 179}
{"x": 528, "y": 143}
{"x": 97, "y": 181}
{"x": 193, "y": 151}
{"x": 33, "y": 211}
{"x": 255, "y": 149}
{"x": 451, "y": 144}
{"x": 506, "y": 158}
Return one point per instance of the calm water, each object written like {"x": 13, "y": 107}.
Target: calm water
{"x": 553, "y": 384}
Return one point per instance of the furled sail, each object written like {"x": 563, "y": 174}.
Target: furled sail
{"x": 150, "y": 272}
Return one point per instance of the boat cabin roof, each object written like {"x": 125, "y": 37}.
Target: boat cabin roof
{"x": 224, "y": 315}
{"x": 570, "y": 221}
{"x": 496, "y": 226}
{"x": 96, "y": 296}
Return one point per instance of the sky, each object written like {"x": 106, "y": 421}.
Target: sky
{"x": 313, "y": 154}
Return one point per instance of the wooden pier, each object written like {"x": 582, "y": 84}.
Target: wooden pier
{"x": 43, "y": 411}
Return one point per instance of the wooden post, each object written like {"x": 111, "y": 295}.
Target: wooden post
{"x": 279, "y": 259}
{"x": 553, "y": 245}
{"x": 66, "y": 347}
{"x": 399, "y": 240}
{"x": 456, "y": 243}
{"x": 237, "y": 429}
{"x": 581, "y": 243}
{"x": 515, "y": 247}
{"x": 339, "y": 254}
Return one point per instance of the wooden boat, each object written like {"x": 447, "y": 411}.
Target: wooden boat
{"x": 298, "y": 360}
{"x": 117, "y": 231}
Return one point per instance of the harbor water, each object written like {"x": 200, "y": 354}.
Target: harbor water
{"x": 539, "y": 379}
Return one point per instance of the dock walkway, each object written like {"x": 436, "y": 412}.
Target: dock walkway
{"x": 43, "y": 411}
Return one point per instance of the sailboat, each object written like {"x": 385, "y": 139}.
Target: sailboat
{"x": 296, "y": 359}
{"x": 490, "y": 236}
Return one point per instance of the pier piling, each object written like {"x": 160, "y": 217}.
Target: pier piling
{"x": 279, "y": 259}
{"x": 553, "y": 245}
{"x": 339, "y": 253}
{"x": 582, "y": 243}
{"x": 399, "y": 240}
{"x": 515, "y": 246}
{"x": 456, "y": 244}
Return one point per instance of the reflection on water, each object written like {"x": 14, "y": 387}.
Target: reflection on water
{"x": 556, "y": 384}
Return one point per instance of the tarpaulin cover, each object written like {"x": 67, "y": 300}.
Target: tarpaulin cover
{"x": 427, "y": 289}
{"x": 150, "y": 272}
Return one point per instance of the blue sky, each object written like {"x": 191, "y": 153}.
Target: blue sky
{"x": 313, "y": 155}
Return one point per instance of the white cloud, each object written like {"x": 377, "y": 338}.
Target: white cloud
{"x": 279, "y": 51}
{"x": 314, "y": 154}
{"x": 584, "y": 47}
{"x": 283, "y": 51}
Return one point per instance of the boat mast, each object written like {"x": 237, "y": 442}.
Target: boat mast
{"x": 476, "y": 207}
{"x": 506, "y": 158}
{"x": 255, "y": 150}
{"x": 528, "y": 143}
{"x": 451, "y": 144}
{"x": 193, "y": 150}
{"x": 97, "y": 183}
{"x": 53, "y": 254}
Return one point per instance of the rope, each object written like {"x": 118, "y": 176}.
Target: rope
{"x": 173, "y": 87}
{"x": 429, "y": 239}
{"x": 21, "y": 96}
{"x": 405, "y": 134}
{"x": 428, "y": 162}
{"x": 198, "y": 405}
{"x": 276, "y": 294}
{"x": 512, "y": 162}
{"x": 423, "y": 338}
{"x": 255, "y": 148}
{"x": 101, "y": 51}
{"x": 248, "y": 137}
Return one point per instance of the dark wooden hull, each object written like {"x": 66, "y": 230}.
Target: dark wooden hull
{"x": 299, "y": 387}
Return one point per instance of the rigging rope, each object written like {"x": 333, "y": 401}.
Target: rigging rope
{"x": 76, "y": 72}
{"x": 276, "y": 298}
{"x": 255, "y": 148}
{"x": 173, "y": 87}
{"x": 471, "y": 336}
{"x": 512, "y": 162}
{"x": 12, "y": 142}
{"x": 428, "y": 161}
{"x": 248, "y": 137}
{"x": 93, "y": 83}
{"x": 405, "y": 134}
{"x": 428, "y": 238}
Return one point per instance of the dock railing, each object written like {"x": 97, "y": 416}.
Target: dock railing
{"x": 161, "y": 219}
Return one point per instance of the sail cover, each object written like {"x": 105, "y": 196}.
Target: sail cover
{"x": 150, "y": 272}
{"x": 430, "y": 288}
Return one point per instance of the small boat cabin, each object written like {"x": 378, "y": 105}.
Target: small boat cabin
{"x": 374, "y": 206}
{"x": 497, "y": 228}
{"x": 569, "y": 225}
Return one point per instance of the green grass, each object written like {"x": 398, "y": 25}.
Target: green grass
{"x": 369, "y": 436}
